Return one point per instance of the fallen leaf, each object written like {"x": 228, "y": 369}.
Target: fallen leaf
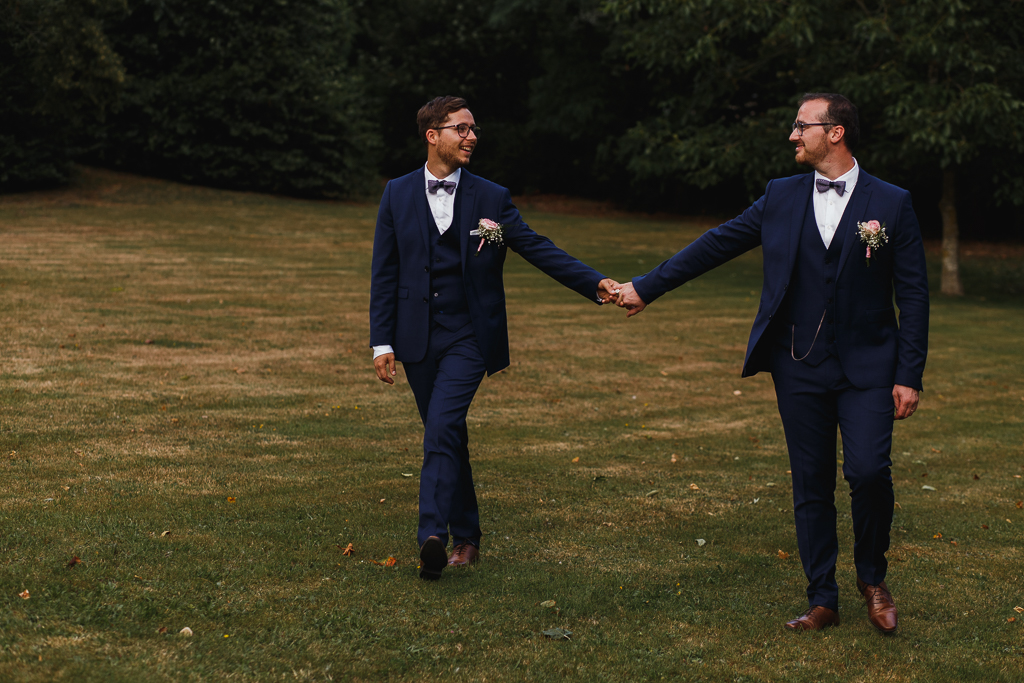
{"x": 984, "y": 526}
{"x": 673, "y": 458}
{"x": 548, "y": 603}
{"x": 406, "y": 475}
{"x": 665, "y": 374}
{"x": 737, "y": 393}
{"x": 937, "y": 536}
{"x": 1020, "y": 504}
{"x": 24, "y": 594}
{"x": 383, "y": 499}
{"x": 558, "y": 634}
{"x": 953, "y": 543}
{"x": 694, "y": 487}
{"x": 936, "y": 450}
{"x": 66, "y": 488}
{"x": 348, "y": 550}
{"x": 926, "y": 487}
{"x": 187, "y": 632}
{"x": 162, "y": 630}
{"x": 231, "y": 499}
{"x": 1012, "y": 619}
{"x": 783, "y": 555}
{"x": 576, "y": 459}
{"x": 1018, "y": 610}
{"x": 73, "y": 561}
{"x": 390, "y": 562}
{"x": 651, "y": 494}
{"x": 701, "y": 542}
{"x": 165, "y": 533}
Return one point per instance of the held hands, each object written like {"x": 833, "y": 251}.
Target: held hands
{"x": 905, "y": 400}
{"x": 607, "y": 290}
{"x": 630, "y": 300}
{"x": 385, "y": 367}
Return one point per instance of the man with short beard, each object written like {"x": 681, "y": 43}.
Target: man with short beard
{"x": 838, "y": 244}
{"x": 437, "y": 303}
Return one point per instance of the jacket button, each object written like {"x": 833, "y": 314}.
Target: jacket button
{"x": 424, "y": 299}
{"x": 426, "y": 269}
{"x": 436, "y": 294}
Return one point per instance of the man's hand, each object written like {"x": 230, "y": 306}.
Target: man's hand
{"x": 385, "y": 367}
{"x": 630, "y": 300}
{"x": 905, "y": 400}
{"x": 607, "y": 290}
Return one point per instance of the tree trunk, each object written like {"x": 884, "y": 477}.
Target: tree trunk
{"x": 950, "y": 237}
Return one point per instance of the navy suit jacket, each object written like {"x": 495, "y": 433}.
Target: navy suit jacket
{"x": 400, "y": 281}
{"x": 875, "y": 350}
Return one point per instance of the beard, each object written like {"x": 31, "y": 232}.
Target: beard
{"x": 449, "y": 155}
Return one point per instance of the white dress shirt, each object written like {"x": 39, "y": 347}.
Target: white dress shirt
{"x": 442, "y": 204}
{"x": 442, "y": 208}
{"x": 829, "y": 206}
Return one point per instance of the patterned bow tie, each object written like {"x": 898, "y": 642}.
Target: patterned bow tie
{"x": 434, "y": 185}
{"x": 823, "y": 185}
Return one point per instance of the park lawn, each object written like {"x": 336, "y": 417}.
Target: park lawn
{"x": 191, "y": 434}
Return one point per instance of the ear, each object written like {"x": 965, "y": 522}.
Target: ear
{"x": 836, "y": 134}
{"x": 432, "y": 136}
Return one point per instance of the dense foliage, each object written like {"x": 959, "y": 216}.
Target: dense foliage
{"x": 243, "y": 93}
{"x": 58, "y": 77}
{"x": 681, "y": 104}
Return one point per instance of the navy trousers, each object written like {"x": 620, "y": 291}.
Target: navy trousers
{"x": 444, "y": 384}
{"x": 813, "y": 402}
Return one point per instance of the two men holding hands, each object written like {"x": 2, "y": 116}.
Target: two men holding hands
{"x": 839, "y": 247}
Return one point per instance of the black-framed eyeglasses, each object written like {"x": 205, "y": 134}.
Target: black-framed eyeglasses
{"x": 800, "y": 125}
{"x": 462, "y": 129}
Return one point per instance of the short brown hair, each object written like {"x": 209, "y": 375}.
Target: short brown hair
{"x": 839, "y": 112}
{"x": 435, "y": 112}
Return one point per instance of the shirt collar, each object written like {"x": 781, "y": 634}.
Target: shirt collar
{"x": 850, "y": 177}
{"x": 453, "y": 178}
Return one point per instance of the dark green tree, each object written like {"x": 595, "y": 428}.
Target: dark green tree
{"x": 244, "y": 94}
{"x": 58, "y": 78}
{"x": 947, "y": 77}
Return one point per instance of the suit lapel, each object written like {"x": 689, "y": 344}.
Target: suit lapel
{"x": 421, "y": 208}
{"x": 855, "y": 212}
{"x": 467, "y": 217}
{"x": 800, "y": 208}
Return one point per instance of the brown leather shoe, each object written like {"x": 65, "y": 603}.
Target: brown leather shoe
{"x": 814, "y": 619}
{"x": 433, "y": 558}
{"x": 881, "y": 606}
{"x": 463, "y": 555}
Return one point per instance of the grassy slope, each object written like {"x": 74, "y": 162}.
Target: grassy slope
{"x": 168, "y": 350}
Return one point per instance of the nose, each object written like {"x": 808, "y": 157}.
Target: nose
{"x": 795, "y": 135}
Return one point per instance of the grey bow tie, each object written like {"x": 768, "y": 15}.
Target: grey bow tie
{"x": 823, "y": 185}
{"x": 434, "y": 185}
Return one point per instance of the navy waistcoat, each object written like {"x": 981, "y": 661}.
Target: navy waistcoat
{"x": 810, "y": 298}
{"x": 448, "y": 305}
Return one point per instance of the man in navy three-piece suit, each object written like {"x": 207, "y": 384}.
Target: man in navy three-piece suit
{"x": 437, "y": 303}
{"x": 827, "y": 331}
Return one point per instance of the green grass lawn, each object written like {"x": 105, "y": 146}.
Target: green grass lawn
{"x": 188, "y": 407}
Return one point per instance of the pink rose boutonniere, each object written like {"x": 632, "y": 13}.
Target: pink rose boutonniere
{"x": 489, "y": 231}
{"x": 873, "y": 235}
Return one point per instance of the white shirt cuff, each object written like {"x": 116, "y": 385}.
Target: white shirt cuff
{"x": 381, "y": 350}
